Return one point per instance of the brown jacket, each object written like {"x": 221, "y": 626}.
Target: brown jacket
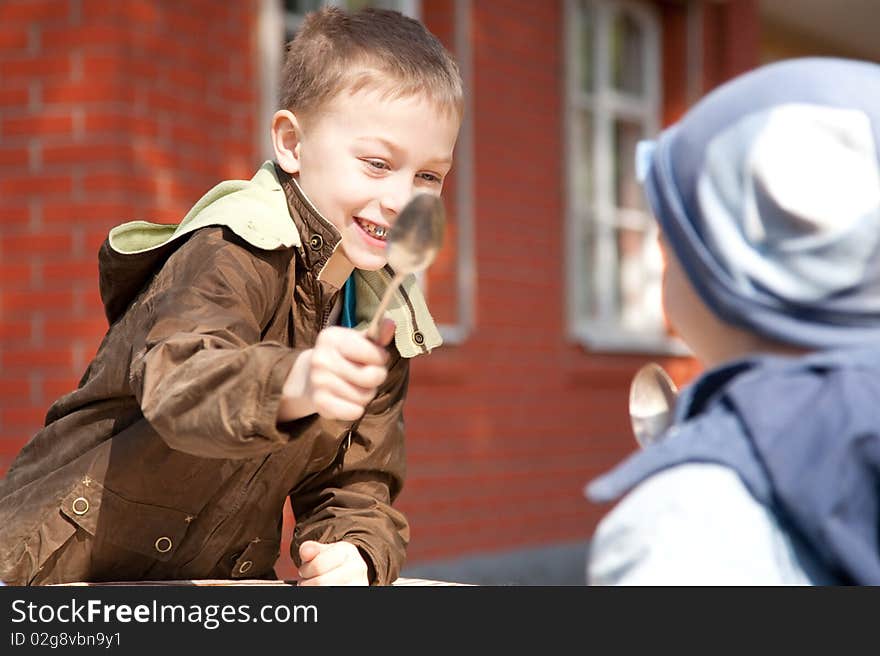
{"x": 167, "y": 462}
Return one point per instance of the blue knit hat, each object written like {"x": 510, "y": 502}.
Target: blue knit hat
{"x": 768, "y": 191}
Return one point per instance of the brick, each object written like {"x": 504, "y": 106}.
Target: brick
{"x": 14, "y": 157}
{"x": 189, "y": 79}
{"x": 91, "y": 329}
{"x": 14, "y": 96}
{"x": 34, "y": 67}
{"x": 103, "y": 65}
{"x": 33, "y": 186}
{"x": 238, "y": 93}
{"x": 12, "y": 39}
{"x": 156, "y": 157}
{"x": 37, "y": 125}
{"x": 71, "y": 271}
{"x": 200, "y": 136}
{"x": 119, "y": 124}
{"x": 22, "y": 304}
{"x": 118, "y": 183}
{"x": 23, "y": 416}
{"x": 14, "y": 274}
{"x": 41, "y": 359}
{"x": 172, "y": 103}
{"x": 35, "y": 244}
{"x": 142, "y": 13}
{"x": 86, "y": 153}
{"x": 14, "y": 389}
{"x": 161, "y": 46}
{"x": 146, "y": 69}
{"x": 88, "y": 37}
{"x": 108, "y": 90}
{"x": 63, "y": 213}
{"x": 14, "y": 330}
{"x": 30, "y": 11}
{"x": 181, "y": 20}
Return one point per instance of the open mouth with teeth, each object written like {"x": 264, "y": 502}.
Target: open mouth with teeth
{"x": 373, "y": 230}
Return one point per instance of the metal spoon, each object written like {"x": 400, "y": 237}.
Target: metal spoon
{"x": 652, "y": 396}
{"x": 411, "y": 246}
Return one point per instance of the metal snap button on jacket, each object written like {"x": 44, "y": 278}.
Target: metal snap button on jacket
{"x": 245, "y": 566}
{"x": 418, "y": 337}
{"x": 163, "y": 544}
{"x": 80, "y": 506}
{"x": 316, "y": 242}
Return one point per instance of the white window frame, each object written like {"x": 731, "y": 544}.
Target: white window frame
{"x": 603, "y": 330}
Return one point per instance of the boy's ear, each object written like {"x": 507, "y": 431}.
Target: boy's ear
{"x": 286, "y": 140}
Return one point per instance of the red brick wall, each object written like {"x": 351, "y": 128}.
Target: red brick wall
{"x": 106, "y": 115}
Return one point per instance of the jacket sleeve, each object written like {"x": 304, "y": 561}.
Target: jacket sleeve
{"x": 351, "y": 500}
{"x": 204, "y": 379}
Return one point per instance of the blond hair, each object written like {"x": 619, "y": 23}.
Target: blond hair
{"x": 377, "y": 49}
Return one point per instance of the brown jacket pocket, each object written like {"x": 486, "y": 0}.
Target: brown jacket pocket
{"x": 153, "y": 531}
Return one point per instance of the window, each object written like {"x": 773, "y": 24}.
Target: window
{"x": 612, "y": 101}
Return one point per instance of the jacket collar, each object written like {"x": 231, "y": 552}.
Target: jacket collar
{"x": 319, "y": 237}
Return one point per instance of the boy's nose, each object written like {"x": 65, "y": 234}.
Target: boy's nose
{"x": 396, "y": 194}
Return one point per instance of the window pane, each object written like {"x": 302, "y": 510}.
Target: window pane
{"x": 640, "y": 279}
{"x": 301, "y": 6}
{"x": 304, "y": 6}
{"x": 627, "y": 190}
{"x": 354, "y": 5}
{"x": 586, "y": 36}
{"x": 583, "y": 155}
{"x": 627, "y": 56}
{"x": 588, "y": 285}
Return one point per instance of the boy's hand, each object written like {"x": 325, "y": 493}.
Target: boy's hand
{"x": 338, "y": 377}
{"x": 338, "y": 563}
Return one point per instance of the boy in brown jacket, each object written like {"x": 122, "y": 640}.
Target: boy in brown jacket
{"x": 233, "y": 375}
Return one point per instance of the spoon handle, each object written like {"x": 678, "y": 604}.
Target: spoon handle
{"x": 373, "y": 328}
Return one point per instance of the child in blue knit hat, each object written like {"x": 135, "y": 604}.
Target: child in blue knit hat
{"x": 768, "y": 198}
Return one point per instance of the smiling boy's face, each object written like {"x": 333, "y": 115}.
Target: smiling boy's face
{"x": 361, "y": 157}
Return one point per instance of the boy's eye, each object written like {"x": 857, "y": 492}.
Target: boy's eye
{"x": 431, "y": 177}
{"x": 378, "y": 164}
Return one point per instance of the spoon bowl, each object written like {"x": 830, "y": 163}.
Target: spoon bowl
{"x": 652, "y": 397}
{"x": 411, "y": 246}
{"x": 417, "y": 235}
